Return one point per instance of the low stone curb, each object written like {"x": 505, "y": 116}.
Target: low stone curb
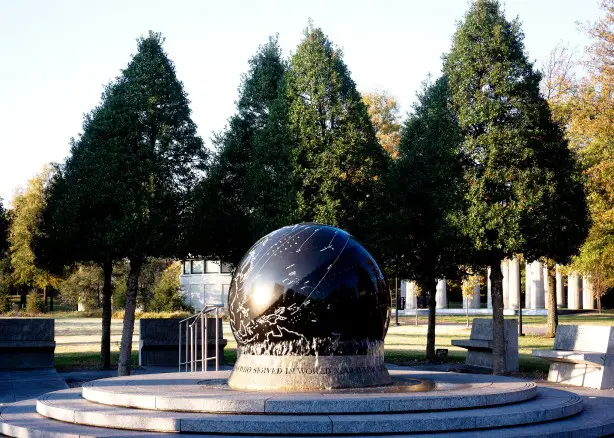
{"x": 67, "y": 405}
{"x": 182, "y": 392}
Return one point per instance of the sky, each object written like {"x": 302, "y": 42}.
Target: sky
{"x": 56, "y": 56}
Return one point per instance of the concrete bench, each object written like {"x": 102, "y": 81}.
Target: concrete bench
{"x": 159, "y": 342}
{"x": 27, "y": 343}
{"x": 479, "y": 346}
{"x": 583, "y": 355}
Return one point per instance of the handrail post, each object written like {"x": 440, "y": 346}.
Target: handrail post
{"x": 194, "y": 344}
{"x": 203, "y": 354}
{"x": 206, "y": 346}
{"x": 217, "y": 337}
{"x": 191, "y": 339}
{"x": 187, "y": 343}
{"x": 179, "y": 363}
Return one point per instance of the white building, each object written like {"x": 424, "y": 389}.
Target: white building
{"x": 205, "y": 282}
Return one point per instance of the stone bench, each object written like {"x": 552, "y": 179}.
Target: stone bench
{"x": 159, "y": 342}
{"x": 27, "y": 343}
{"x": 479, "y": 346}
{"x": 583, "y": 355}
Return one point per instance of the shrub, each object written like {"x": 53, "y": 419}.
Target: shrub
{"x": 119, "y": 296}
{"x": 155, "y": 315}
{"x": 82, "y": 286}
{"x": 166, "y": 297}
{"x": 5, "y": 302}
{"x": 34, "y": 303}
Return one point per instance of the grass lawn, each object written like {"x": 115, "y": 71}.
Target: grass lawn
{"x": 78, "y": 340}
{"x": 592, "y": 318}
{"x": 81, "y": 360}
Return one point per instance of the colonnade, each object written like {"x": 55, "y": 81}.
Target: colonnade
{"x": 577, "y": 295}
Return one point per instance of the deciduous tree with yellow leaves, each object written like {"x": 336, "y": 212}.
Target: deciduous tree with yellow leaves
{"x": 383, "y": 110}
{"x": 27, "y": 208}
{"x": 586, "y": 107}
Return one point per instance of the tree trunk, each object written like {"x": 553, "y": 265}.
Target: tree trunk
{"x": 45, "y": 298}
{"x": 429, "y": 287}
{"x": 23, "y": 292}
{"x": 498, "y": 333}
{"x": 105, "y": 345}
{"x": 125, "y": 350}
{"x": 466, "y": 300}
{"x": 51, "y": 299}
{"x": 553, "y": 313}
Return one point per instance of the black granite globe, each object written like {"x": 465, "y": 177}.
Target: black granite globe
{"x": 309, "y": 289}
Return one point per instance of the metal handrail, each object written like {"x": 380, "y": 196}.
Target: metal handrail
{"x": 191, "y": 338}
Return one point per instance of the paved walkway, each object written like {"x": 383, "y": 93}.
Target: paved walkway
{"x": 22, "y": 385}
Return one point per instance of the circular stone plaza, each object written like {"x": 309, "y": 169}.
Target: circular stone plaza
{"x": 422, "y": 403}
{"x": 308, "y": 366}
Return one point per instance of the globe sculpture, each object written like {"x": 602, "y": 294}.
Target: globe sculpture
{"x": 309, "y": 309}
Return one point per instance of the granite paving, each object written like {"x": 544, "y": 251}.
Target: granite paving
{"x": 22, "y": 385}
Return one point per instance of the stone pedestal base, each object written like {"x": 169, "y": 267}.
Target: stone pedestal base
{"x": 581, "y": 374}
{"x": 307, "y": 373}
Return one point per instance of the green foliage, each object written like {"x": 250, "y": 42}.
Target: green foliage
{"x": 121, "y": 192}
{"x": 6, "y": 279}
{"x": 166, "y": 297}
{"x": 119, "y": 296}
{"x": 423, "y": 199}
{"x": 5, "y": 301}
{"x": 337, "y": 160}
{"x": 83, "y": 285}
{"x": 149, "y": 277}
{"x": 524, "y": 192}
{"x": 119, "y": 279}
{"x": 34, "y": 303}
{"x": 271, "y": 183}
{"x": 155, "y": 153}
{"x": 245, "y": 192}
{"x": 4, "y": 229}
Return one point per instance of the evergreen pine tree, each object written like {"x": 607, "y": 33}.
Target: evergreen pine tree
{"x": 337, "y": 159}
{"x": 124, "y": 190}
{"x": 237, "y": 197}
{"x": 426, "y": 197}
{"x": 160, "y": 156}
{"x": 519, "y": 168}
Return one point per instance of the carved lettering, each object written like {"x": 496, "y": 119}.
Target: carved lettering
{"x": 309, "y": 371}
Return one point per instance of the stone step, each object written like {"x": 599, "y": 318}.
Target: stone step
{"x": 596, "y": 420}
{"x": 68, "y": 406}
{"x": 208, "y": 392}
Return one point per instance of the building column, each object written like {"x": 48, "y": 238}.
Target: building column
{"x": 588, "y": 299}
{"x": 546, "y": 286}
{"x": 488, "y": 290}
{"x": 528, "y": 285}
{"x": 573, "y": 291}
{"x": 475, "y": 299}
{"x": 505, "y": 283}
{"x": 537, "y": 285}
{"x": 441, "y": 295}
{"x": 82, "y": 307}
{"x": 560, "y": 288}
{"x": 408, "y": 290}
{"x": 513, "y": 283}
